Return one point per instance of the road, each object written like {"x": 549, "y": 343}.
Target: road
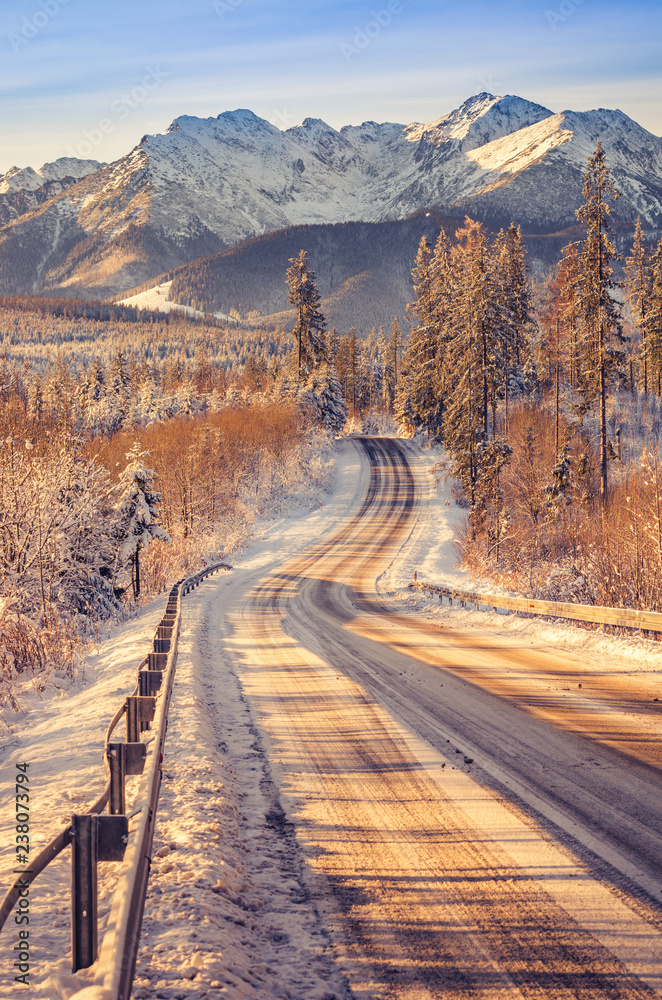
{"x": 478, "y": 818}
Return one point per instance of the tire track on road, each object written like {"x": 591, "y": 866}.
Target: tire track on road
{"x": 436, "y": 888}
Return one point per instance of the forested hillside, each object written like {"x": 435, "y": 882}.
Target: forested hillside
{"x": 364, "y": 270}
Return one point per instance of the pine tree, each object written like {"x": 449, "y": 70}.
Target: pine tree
{"x": 637, "y": 289}
{"x": 392, "y": 361}
{"x": 517, "y": 323}
{"x": 474, "y": 374}
{"x": 353, "y": 370}
{"x": 324, "y": 398}
{"x": 95, "y": 383}
{"x": 568, "y": 278}
{"x": 60, "y": 395}
{"x": 600, "y": 315}
{"x": 652, "y": 324}
{"x": 137, "y": 513}
{"x": 420, "y": 398}
{"x": 310, "y": 322}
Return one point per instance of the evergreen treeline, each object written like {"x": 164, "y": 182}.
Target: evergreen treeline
{"x": 103, "y": 312}
{"x": 469, "y": 352}
{"x": 548, "y": 412}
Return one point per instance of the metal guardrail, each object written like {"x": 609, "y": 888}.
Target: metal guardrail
{"x": 95, "y": 837}
{"x": 650, "y": 621}
{"x": 117, "y": 958}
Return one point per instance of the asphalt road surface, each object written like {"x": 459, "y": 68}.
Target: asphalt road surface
{"x": 480, "y": 816}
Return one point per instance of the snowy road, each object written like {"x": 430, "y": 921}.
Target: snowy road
{"x": 473, "y": 823}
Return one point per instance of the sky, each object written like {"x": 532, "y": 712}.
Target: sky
{"x": 89, "y": 78}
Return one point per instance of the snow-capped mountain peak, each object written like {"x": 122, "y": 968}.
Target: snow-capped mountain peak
{"x": 479, "y": 120}
{"x": 206, "y": 184}
{"x": 27, "y": 179}
{"x": 24, "y": 188}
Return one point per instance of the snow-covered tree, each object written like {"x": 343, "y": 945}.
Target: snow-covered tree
{"x": 517, "y": 325}
{"x": 601, "y": 332}
{"x": 324, "y": 398}
{"x": 137, "y": 513}
{"x": 420, "y": 396}
{"x": 638, "y": 290}
{"x": 56, "y": 522}
{"x": 474, "y": 373}
{"x": 310, "y": 323}
{"x": 392, "y": 362}
{"x": 652, "y": 324}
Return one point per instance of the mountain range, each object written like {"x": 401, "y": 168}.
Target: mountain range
{"x": 24, "y": 189}
{"x": 205, "y": 186}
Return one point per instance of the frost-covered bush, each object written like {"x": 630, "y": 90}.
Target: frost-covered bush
{"x": 56, "y": 534}
{"x": 219, "y": 473}
{"x": 551, "y": 539}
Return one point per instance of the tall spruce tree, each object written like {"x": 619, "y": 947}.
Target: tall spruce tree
{"x": 474, "y": 373}
{"x": 310, "y": 323}
{"x": 601, "y": 331}
{"x": 392, "y": 362}
{"x": 517, "y": 324}
{"x": 653, "y": 322}
{"x": 568, "y": 278}
{"x": 420, "y": 392}
{"x": 638, "y": 289}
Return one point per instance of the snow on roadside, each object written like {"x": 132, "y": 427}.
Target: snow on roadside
{"x": 228, "y": 908}
{"x": 431, "y": 553}
{"x": 61, "y": 732}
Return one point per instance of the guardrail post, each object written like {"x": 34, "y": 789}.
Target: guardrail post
{"x": 139, "y": 713}
{"x": 135, "y": 757}
{"x": 116, "y": 757}
{"x": 84, "y": 943}
{"x": 132, "y": 721}
{"x": 157, "y": 661}
{"x": 149, "y": 682}
{"x": 94, "y": 838}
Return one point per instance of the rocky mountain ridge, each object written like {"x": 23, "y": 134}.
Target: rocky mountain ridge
{"x": 205, "y": 185}
{"x": 22, "y": 189}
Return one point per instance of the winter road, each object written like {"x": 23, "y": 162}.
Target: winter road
{"x": 479, "y": 817}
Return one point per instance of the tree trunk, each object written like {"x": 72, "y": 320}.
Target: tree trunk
{"x": 603, "y": 435}
{"x": 136, "y": 573}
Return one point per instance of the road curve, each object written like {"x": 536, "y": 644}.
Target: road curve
{"x": 470, "y": 828}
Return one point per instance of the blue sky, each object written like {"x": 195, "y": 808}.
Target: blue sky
{"x": 90, "y": 77}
